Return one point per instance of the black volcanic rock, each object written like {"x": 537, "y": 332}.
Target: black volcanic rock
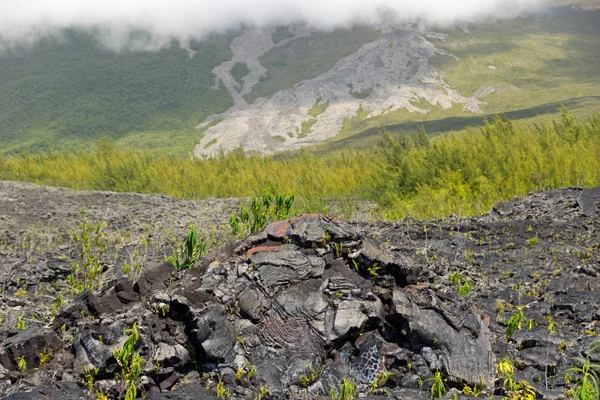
{"x": 312, "y": 300}
{"x": 456, "y": 339}
{"x": 67, "y": 391}
{"x": 28, "y": 344}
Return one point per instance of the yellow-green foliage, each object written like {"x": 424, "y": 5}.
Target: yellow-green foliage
{"x": 467, "y": 174}
{"x": 463, "y": 174}
{"x": 227, "y": 175}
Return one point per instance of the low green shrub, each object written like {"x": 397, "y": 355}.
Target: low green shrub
{"x": 259, "y": 212}
{"x": 190, "y": 251}
{"x": 130, "y": 363}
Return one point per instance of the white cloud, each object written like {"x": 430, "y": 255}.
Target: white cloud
{"x": 25, "y": 20}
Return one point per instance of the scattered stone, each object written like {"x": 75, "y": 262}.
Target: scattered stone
{"x": 312, "y": 300}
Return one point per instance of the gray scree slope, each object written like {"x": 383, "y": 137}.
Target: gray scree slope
{"x": 394, "y": 68}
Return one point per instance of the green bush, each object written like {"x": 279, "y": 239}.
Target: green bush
{"x": 190, "y": 251}
{"x": 130, "y": 363}
{"x": 259, "y": 212}
{"x": 465, "y": 174}
{"x": 92, "y": 245}
{"x": 347, "y": 391}
{"x": 587, "y": 381}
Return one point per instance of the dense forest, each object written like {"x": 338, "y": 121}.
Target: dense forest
{"x": 406, "y": 175}
{"x": 68, "y": 91}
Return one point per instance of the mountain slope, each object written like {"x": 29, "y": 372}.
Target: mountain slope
{"x": 286, "y": 87}
{"x": 525, "y": 68}
{"x": 68, "y": 91}
{"x": 383, "y": 75}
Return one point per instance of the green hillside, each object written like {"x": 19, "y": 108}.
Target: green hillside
{"x": 62, "y": 93}
{"x": 529, "y": 66}
{"x": 530, "y": 61}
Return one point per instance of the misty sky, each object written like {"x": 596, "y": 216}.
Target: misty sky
{"x": 26, "y": 19}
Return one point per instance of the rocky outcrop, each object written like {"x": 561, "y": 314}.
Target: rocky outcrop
{"x": 292, "y": 311}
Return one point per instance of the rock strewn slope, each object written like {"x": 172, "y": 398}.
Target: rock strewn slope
{"x": 387, "y": 74}
{"x": 311, "y": 300}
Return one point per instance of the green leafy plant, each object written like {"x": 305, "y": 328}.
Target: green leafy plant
{"x": 454, "y": 278}
{"x": 374, "y": 269}
{"x": 20, "y": 324}
{"x": 587, "y": 381}
{"x": 101, "y": 396}
{"x": 247, "y": 370}
{"x": 192, "y": 350}
{"x": 259, "y": 212}
{"x": 252, "y": 372}
{"x": 263, "y": 393}
{"x": 339, "y": 249}
{"x": 305, "y": 380}
{"x": 562, "y": 346}
{"x": 130, "y": 363}
{"x": 519, "y": 390}
{"x": 505, "y": 367}
{"x": 190, "y": 251}
{"x": 529, "y": 324}
{"x": 515, "y": 322}
{"x": 59, "y": 300}
{"x": 509, "y": 384}
{"x": 63, "y": 332}
{"x": 379, "y": 381}
{"x": 438, "y": 388}
{"x": 22, "y": 364}
{"x": 88, "y": 376}
{"x": 126, "y": 268}
{"x": 45, "y": 357}
{"x": 221, "y": 392}
{"x": 347, "y": 391}
{"x": 474, "y": 391}
{"x": 465, "y": 289}
{"x": 92, "y": 245}
{"x": 551, "y": 325}
{"x": 533, "y": 242}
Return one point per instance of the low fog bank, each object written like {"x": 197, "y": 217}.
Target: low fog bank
{"x": 25, "y": 21}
